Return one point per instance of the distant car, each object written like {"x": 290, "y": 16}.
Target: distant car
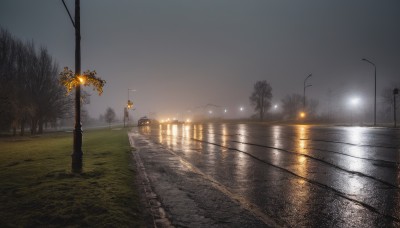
{"x": 144, "y": 121}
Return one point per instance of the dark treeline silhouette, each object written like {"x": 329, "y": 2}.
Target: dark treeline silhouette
{"x": 30, "y": 92}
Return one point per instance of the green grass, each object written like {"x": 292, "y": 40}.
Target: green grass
{"x": 38, "y": 189}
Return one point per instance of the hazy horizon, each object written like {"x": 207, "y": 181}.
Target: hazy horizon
{"x": 180, "y": 55}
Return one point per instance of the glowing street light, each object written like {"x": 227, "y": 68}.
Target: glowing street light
{"x": 89, "y": 78}
{"x": 225, "y": 111}
{"x": 77, "y": 153}
{"x": 275, "y": 106}
{"x": 355, "y": 101}
{"x": 82, "y": 79}
{"x": 241, "y": 108}
{"x": 130, "y": 104}
{"x": 302, "y": 115}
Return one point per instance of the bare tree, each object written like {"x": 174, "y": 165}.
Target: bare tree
{"x": 30, "y": 92}
{"x": 48, "y": 95}
{"x": 261, "y": 98}
{"x": 21, "y": 102}
{"x": 109, "y": 116}
{"x": 7, "y": 71}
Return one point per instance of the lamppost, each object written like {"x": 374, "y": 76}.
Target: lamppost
{"x": 395, "y": 92}
{"x": 125, "y": 115}
{"x": 77, "y": 144}
{"x": 373, "y": 64}
{"x": 129, "y": 105}
{"x": 304, "y": 92}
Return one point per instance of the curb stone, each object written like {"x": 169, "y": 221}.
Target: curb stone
{"x": 158, "y": 215}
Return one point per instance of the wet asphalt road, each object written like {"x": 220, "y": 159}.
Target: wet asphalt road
{"x": 264, "y": 175}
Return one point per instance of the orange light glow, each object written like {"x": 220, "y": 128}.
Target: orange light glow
{"x": 302, "y": 114}
{"x": 82, "y": 79}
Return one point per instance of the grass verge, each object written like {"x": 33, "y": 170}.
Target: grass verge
{"x": 38, "y": 189}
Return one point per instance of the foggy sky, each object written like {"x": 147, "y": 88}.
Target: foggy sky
{"x": 181, "y": 54}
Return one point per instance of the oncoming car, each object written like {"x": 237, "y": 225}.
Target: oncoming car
{"x": 144, "y": 121}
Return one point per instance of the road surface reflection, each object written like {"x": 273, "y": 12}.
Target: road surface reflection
{"x": 300, "y": 172}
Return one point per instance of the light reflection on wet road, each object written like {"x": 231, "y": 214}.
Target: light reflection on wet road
{"x": 302, "y": 175}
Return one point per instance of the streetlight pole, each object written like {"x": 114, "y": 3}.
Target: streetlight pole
{"x": 373, "y": 64}
{"x": 77, "y": 144}
{"x": 129, "y": 106}
{"x": 395, "y": 92}
{"x": 125, "y": 115}
{"x": 304, "y": 92}
{"x": 77, "y": 153}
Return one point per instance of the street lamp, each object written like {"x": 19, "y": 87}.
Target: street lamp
{"x": 395, "y": 92}
{"x": 373, "y": 64}
{"x": 77, "y": 148}
{"x": 304, "y": 92}
{"x": 82, "y": 79}
{"x": 128, "y": 107}
{"x": 355, "y": 101}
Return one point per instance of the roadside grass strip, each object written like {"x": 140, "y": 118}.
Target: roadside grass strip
{"x": 38, "y": 189}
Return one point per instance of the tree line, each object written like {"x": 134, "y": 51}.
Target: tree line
{"x": 30, "y": 93}
{"x": 292, "y": 104}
